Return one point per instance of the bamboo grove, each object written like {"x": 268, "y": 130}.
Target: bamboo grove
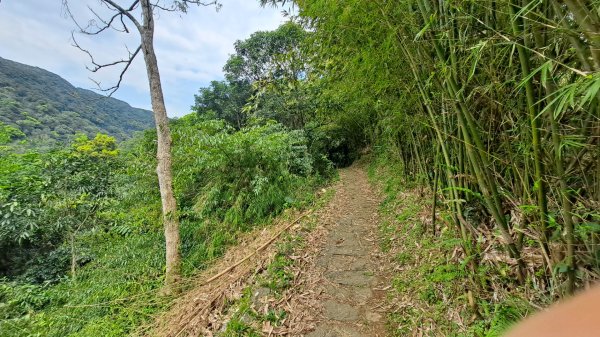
{"x": 493, "y": 104}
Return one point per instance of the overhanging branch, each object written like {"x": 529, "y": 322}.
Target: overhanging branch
{"x": 126, "y": 63}
{"x": 117, "y": 22}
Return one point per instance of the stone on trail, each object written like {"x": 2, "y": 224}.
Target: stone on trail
{"x": 340, "y": 311}
{"x": 335, "y": 331}
{"x": 350, "y": 278}
{"x": 359, "y": 295}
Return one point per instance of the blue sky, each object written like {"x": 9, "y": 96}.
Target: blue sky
{"x": 191, "y": 48}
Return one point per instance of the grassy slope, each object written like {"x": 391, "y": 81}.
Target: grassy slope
{"x": 227, "y": 184}
{"x": 278, "y": 279}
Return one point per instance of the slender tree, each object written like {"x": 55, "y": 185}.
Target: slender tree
{"x": 140, "y": 13}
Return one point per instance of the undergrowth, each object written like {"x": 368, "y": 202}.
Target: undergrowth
{"x": 227, "y": 182}
{"x": 248, "y": 312}
{"x": 432, "y": 292}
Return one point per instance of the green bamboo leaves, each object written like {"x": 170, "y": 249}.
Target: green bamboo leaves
{"x": 508, "y": 94}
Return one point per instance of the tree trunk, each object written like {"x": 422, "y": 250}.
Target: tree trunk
{"x": 73, "y": 258}
{"x": 163, "y": 153}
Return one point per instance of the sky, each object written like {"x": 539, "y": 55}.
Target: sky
{"x": 191, "y": 48}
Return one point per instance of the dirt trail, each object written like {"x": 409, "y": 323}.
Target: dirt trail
{"x": 352, "y": 277}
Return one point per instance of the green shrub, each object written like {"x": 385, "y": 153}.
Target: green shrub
{"x": 238, "y": 177}
{"x": 18, "y": 300}
{"x": 49, "y": 198}
{"x": 330, "y": 144}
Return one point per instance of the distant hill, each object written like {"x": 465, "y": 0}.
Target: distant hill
{"x": 49, "y": 110}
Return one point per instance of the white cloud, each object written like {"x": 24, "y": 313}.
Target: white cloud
{"x": 191, "y": 48}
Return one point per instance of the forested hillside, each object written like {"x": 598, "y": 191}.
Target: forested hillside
{"x": 48, "y": 110}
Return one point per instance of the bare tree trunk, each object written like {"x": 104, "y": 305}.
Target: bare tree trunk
{"x": 163, "y": 153}
{"x": 73, "y": 258}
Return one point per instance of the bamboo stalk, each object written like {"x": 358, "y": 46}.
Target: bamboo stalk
{"x": 539, "y": 183}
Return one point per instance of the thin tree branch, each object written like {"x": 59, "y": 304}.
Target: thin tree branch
{"x": 126, "y": 12}
{"x": 106, "y": 24}
{"x": 116, "y": 22}
{"x": 97, "y": 66}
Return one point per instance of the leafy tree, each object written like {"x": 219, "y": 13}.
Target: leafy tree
{"x": 21, "y": 207}
{"x": 47, "y": 199}
{"x": 272, "y": 77}
{"x": 81, "y": 187}
{"x": 269, "y": 55}
{"x": 9, "y": 133}
{"x": 261, "y": 79}
{"x": 223, "y": 100}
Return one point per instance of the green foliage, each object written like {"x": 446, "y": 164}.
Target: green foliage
{"x": 45, "y": 198}
{"x": 236, "y": 328}
{"x": 226, "y": 182}
{"x": 263, "y": 55}
{"x": 223, "y": 100}
{"x": 430, "y": 279}
{"x": 483, "y": 104}
{"x": 239, "y": 177}
{"x": 499, "y": 318}
{"x": 270, "y": 78}
{"x": 9, "y": 133}
{"x": 263, "y": 165}
{"x": 330, "y": 143}
{"x": 239, "y": 324}
{"x": 113, "y": 293}
{"x": 18, "y": 300}
{"x": 279, "y": 277}
{"x": 264, "y": 79}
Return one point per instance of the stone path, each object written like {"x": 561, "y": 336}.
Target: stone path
{"x": 351, "y": 282}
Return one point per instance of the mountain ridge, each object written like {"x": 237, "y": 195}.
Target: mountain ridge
{"x": 50, "y": 111}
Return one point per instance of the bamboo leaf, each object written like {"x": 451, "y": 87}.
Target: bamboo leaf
{"x": 425, "y": 28}
{"x": 476, "y": 52}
